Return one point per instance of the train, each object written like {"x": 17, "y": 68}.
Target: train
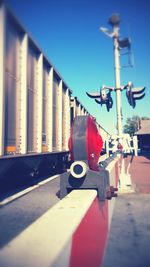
{"x": 37, "y": 107}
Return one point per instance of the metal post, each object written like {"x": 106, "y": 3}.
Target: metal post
{"x": 114, "y": 21}
{"x": 117, "y": 81}
{"x": 59, "y": 116}
{"x": 49, "y": 109}
{"x": 39, "y": 104}
{"x": 2, "y": 78}
{"x": 22, "y": 134}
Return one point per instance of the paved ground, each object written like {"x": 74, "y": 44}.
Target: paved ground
{"x": 140, "y": 173}
{"x": 129, "y": 239}
{"x": 19, "y": 214}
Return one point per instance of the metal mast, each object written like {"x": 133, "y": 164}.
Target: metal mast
{"x": 114, "y": 21}
{"x": 133, "y": 94}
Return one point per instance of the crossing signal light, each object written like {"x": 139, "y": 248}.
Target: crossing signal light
{"x": 107, "y": 100}
{"x": 134, "y": 93}
{"x": 103, "y": 94}
{"x": 102, "y": 98}
{"x": 93, "y": 95}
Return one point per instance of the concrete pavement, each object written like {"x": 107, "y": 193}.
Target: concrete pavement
{"x": 19, "y": 214}
{"x": 129, "y": 240}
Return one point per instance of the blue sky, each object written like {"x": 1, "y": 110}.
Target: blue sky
{"x": 68, "y": 34}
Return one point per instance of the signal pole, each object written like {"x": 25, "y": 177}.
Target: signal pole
{"x": 114, "y": 21}
{"x": 132, "y": 94}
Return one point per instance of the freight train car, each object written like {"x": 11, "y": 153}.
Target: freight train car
{"x": 36, "y": 107}
{"x": 77, "y": 109}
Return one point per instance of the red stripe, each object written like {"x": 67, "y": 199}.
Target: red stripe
{"x": 88, "y": 242}
{"x": 117, "y": 173}
{"x": 94, "y": 144}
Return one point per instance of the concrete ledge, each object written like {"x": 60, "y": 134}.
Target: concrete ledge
{"x": 73, "y": 233}
{"x": 42, "y": 242}
{"x": 111, "y": 165}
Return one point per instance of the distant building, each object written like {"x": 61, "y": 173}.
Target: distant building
{"x": 143, "y": 135}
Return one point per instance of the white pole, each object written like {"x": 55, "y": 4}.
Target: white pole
{"x": 117, "y": 81}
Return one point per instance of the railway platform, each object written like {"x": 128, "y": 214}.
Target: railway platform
{"x": 128, "y": 243}
{"x": 128, "y": 230}
{"x": 70, "y": 234}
